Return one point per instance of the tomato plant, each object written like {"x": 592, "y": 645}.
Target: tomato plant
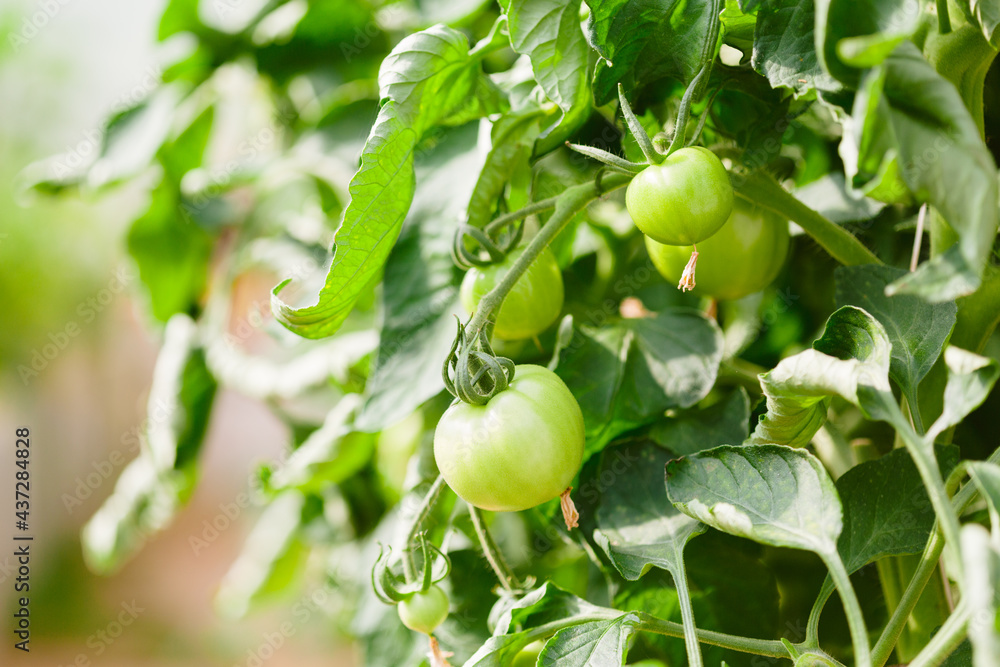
{"x": 743, "y": 257}
{"x": 684, "y": 200}
{"x": 806, "y": 473}
{"x": 531, "y": 306}
{"x": 519, "y": 450}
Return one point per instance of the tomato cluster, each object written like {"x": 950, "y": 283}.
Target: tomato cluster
{"x": 688, "y": 200}
{"x": 741, "y": 258}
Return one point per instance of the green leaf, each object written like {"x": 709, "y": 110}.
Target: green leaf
{"x": 172, "y": 253}
{"x": 860, "y": 33}
{"x": 830, "y": 197}
{"x": 427, "y": 80}
{"x": 981, "y": 556}
{"x": 271, "y": 561}
{"x": 853, "y": 351}
{"x": 594, "y": 644}
{"x": 640, "y": 42}
{"x": 906, "y": 111}
{"x": 627, "y": 374}
{"x": 512, "y": 141}
{"x": 420, "y": 286}
{"x": 691, "y": 431}
{"x": 917, "y": 330}
{"x": 153, "y": 487}
{"x": 784, "y": 48}
{"x": 637, "y": 526}
{"x": 886, "y": 508}
{"x": 549, "y": 33}
{"x": 970, "y": 379}
{"x": 768, "y": 493}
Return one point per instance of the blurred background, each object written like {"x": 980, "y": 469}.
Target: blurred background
{"x": 66, "y": 282}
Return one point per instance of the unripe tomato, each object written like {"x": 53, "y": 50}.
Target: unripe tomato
{"x": 425, "y": 610}
{"x": 741, "y": 258}
{"x": 521, "y": 449}
{"x": 683, "y": 200}
{"x": 531, "y": 306}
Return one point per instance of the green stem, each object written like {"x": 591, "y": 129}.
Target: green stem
{"x": 697, "y": 85}
{"x": 812, "y": 625}
{"x": 894, "y": 628}
{"x": 521, "y": 213}
{"x": 947, "y": 639}
{"x": 409, "y": 568}
{"x": 567, "y": 204}
{"x": 852, "y": 608}
{"x": 770, "y": 648}
{"x": 687, "y": 614}
{"x": 913, "y": 407}
{"x": 923, "y": 457}
{"x": 762, "y": 190}
{"x": 741, "y": 372}
{"x": 492, "y": 551}
{"x": 925, "y": 570}
{"x": 944, "y": 20}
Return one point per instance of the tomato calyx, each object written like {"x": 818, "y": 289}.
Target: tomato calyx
{"x": 392, "y": 588}
{"x": 472, "y": 371}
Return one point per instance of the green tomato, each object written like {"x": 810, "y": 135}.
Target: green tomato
{"x": 647, "y": 663}
{"x": 531, "y": 306}
{"x": 683, "y": 200}
{"x": 741, "y": 258}
{"x": 424, "y": 611}
{"x": 521, "y": 449}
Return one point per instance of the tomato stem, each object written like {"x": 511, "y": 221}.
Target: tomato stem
{"x": 759, "y": 188}
{"x": 520, "y": 214}
{"x": 492, "y": 552}
{"x": 928, "y": 565}
{"x": 946, "y": 640}
{"x": 767, "y": 647}
{"x": 944, "y": 19}
{"x": 430, "y": 498}
{"x": 852, "y": 608}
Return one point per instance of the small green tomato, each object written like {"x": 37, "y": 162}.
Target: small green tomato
{"x": 425, "y": 610}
